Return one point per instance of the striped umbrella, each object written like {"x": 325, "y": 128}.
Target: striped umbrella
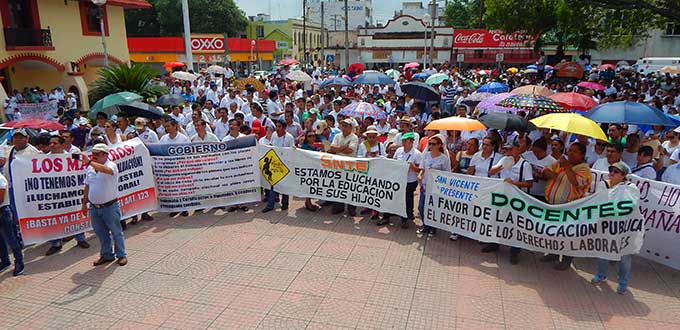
{"x": 532, "y": 102}
{"x": 360, "y": 110}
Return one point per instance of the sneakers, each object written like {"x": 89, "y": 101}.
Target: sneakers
{"x": 146, "y": 217}
{"x": 83, "y": 244}
{"x": 267, "y": 209}
{"x": 453, "y": 237}
{"x": 184, "y": 213}
{"x": 598, "y": 279}
{"x": 4, "y": 265}
{"x": 622, "y": 289}
{"x": 52, "y": 250}
{"x": 18, "y": 269}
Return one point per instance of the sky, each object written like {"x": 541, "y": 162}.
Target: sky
{"x": 283, "y": 9}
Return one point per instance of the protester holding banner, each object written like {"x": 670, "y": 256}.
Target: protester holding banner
{"x": 645, "y": 165}
{"x": 482, "y": 161}
{"x": 435, "y": 158}
{"x": 202, "y": 134}
{"x": 345, "y": 144}
{"x": 371, "y": 147}
{"x": 568, "y": 180}
{"x": 173, "y": 135}
{"x": 280, "y": 138}
{"x": 614, "y": 151}
{"x": 101, "y": 194}
{"x": 409, "y": 154}
{"x": 539, "y": 159}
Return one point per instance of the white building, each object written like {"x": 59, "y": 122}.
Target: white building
{"x": 404, "y": 39}
{"x": 417, "y": 9}
{"x": 659, "y": 43}
{"x": 360, "y": 13}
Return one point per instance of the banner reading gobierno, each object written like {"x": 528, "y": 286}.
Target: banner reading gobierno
{"x": 48, "y": 190}
{"x": 374, "y": 183}
{"x": 205, "y": 175}
{"x": 606, "y": 224}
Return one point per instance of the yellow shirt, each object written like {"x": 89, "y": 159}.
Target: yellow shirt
{"x": 559, "y": 190}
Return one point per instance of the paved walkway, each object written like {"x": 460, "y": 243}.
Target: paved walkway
{"x": 303, "y": 270}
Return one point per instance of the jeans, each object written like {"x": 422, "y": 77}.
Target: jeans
{"x": 624, "y": 269}
{"x": 106, "y": 224}
{"x": 271, "y": 199}
{"x": 57, "y": 242}
{"x": 421, "y": 212}
{"x": 8, "y": 236}
{"x": 410, "y": 196}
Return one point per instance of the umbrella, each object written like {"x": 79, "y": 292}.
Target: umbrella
{"x": 381, "y": 115}
{"x": 672, "y": 69}
{"x": 477, "y": 96}
{"x": 170, "y": 99}
{"x": 489, "y": 103}
{"x": 422, "y": 76}
{"x": 437, "y": 78}
{"x": 298, "y": 75}
{"x": 506, "y": 121}
{"x": 288, "y": 61}
{"x": 360, "y": 110}
{"x": 356, "y": 67}
{"x": 591, "y": 85}
{"x": 455, "y": 124}
{"x": 627, "y": 112}
{"x": 531, "y": 102}
{"x": 482, "y": 72}
{"x": 574, "y": 101}
{"x": 392, "y": 73}
{"x": 35, "y": 123}
{"x": 216, "y": 69}
{"x": 183, "y": 75}
{"x": 532, "y": 89}
{"x": 512, "y": 70}
{"x": 241, "y": 83}
{"x": 607, "y": 66}
{"x": 493, "y": 87}
{"x": 571, "y": 123}
{"x": 421, "y": 91}
{"x": 336, "y": 81}
{"x": 173, "y": 65}
{"x": 532, "y": 66}
{"x": 370, "y": 77}
{"x": 140, "y": 109}
{"x": 530, "y": 71}
{"x": 108, "y": 103}
{"x": 411, "y": 65}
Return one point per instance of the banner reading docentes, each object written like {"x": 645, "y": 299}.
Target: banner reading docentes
{"x": 660, "y": 209}
{"x": 205, "y": 175}
{"x": 378, "y": 184}
{"x": 48, "y": 190}
{"x": 606, "y": 224}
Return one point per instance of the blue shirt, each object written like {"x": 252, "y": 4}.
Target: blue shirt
{"x": 334, "y": 131}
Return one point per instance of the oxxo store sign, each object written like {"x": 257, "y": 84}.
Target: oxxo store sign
{"x": 208, "y": 43}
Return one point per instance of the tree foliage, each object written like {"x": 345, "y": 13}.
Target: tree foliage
{"x": 120, "y": 78}
{"x": 464, "y": 14}
{"x": 205, "y": 16}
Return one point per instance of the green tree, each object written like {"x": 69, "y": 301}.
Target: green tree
{"x": 464, "y": 14}
{"x": 120, "y": 78}
{"x": 206, "y": 16}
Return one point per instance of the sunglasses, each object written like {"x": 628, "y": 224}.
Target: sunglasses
{"x": 433, "y": 143}
{"x": 613, "y": 170}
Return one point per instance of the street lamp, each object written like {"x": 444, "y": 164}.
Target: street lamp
{"x": 100, "y": 4}
{"x": 252, "y": 59}
{"x": 426, "y": 18}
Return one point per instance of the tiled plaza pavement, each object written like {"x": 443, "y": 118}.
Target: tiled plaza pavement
{"x": 303, "y": 270}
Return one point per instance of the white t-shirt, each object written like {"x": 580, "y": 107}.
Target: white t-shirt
{"x": 264, "y": 141}
{"x": 505, "y": 164}
{"x": 286, "y": 140}
{"x": 178, "y": 139}
{"x": 601, "y": 164}
{"x": 378, "y": 148}
{"x": 148, "y": 136}
{"x": 646, "y": 171}
{"x": 670, "y": 150}
{"x": 228, "y": 137}
{"x": 102, "y": 187}
{"x": 537, "y": 165}
{"x": 521, "y": 170}
{"x": 209, "y": 137}
{"x": 412, "y": 157}
{"x": 221, "y": 128}
{"x": 482, "y": 165}
{"x": 4, "y": 185}
{"x": 441, "y": 162}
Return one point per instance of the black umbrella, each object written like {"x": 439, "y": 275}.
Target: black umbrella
{"x": 506, "y": 121}
{"x": 140, "y": 109}
{"x": 170, "y": 99}
{"x": 420, "y": 91}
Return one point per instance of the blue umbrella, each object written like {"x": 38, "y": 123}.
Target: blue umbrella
{"x": 494, "y": 88}
{"x": 627, "y": 112}
{"x": 370, "y": 77}
{"x": 420, "y": 76}
{"x": 335, "y": 81}
{"x": 532, "y": 66}
{"x": 674, "y": 118}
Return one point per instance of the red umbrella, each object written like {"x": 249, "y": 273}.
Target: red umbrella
{"x": 35, "y": 123}
{"x": 591, "y": 85}
{"x": 288, "y": 61}
{"x": 607, "y": 66}
{"x": 411, "y": 65}
{"x": 173, "y": 65}
{"x": 356, "y": 67}
{"x": 574, "y": 101}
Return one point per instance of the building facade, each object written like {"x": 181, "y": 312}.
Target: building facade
{"x": 288, "y": 35}
{"x": 48, "y": 43}
{"x": 359, "y": 13}
{"x": 659, "y": 43}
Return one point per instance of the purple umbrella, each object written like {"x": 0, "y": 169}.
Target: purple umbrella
{"x": 489, "y": 104}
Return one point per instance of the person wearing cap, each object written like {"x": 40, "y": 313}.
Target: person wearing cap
{"x": 280, "y": 138}
{"x": 409, "y": 154}
{"x": 436, "y": 158}
{"x": 516, "y": 171}
{"x": 101, "y": 199}
{"x": 144, "y": 133}
{"x": 406, "y": 126}
{"x": 569, "y": 179}
{"x": 618, "y": 173}
{"x": 372, "y": 148}
{"x": 323, "y": 131}
{"x": 345, "y": 144}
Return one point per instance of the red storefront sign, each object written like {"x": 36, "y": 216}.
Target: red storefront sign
{"x": 490, "y": 39}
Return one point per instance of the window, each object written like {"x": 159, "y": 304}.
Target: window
{"x": 672, "y": 29}
{"x": 259, "y": 31}
{"x": 89, "y": 19}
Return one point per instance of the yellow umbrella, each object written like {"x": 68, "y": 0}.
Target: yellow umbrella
{"x": 532, "y": 89}
{"x": 672, "y": 69}
{"x": 455, "y": 124}
{"x": 571, "y": 123}
{"x": 241, "y": 83}
{"x": 512, "y": 70}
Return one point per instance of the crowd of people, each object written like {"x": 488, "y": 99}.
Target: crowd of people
{"x": 552, "y": 166}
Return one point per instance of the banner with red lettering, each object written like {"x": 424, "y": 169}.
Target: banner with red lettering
{"x": 491, "y": 39}
{"x": 48, "y": 190}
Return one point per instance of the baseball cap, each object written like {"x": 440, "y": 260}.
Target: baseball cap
{"x": 100, "y": 147}
{"x": 408, "y": 135}
{"x": 621, "y": 166}
{"x": 20, "y": 131}
{"x": 347, "y": 121}
{"x": 320, "y": 126}
{"x": 140, "y": 123}
{"x": 677, "y": 129}
{"x": 511, "y": 144}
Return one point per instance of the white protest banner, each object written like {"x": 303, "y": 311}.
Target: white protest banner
{"x": 606, "y": 224}
{"x": 377, "y": 184}
{"x": 205, "y": 175}
{"x": 48, "y": 190}
{"x": 42, "y": 110}
{"x": 660, "y": 209}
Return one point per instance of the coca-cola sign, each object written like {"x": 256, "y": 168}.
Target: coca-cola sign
{"x": 207, "y": 44}
{"x": 491, "y": 39}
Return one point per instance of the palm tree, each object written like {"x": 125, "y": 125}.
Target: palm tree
{"x": 121, "y": 78}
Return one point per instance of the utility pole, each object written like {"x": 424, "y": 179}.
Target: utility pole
{"x": 434, "y": 13}
{"x": 187, "y": 35}
{"x": 304, "y": 33}
{"x": 323, "y": 29}
{"x": 346, "y": 33}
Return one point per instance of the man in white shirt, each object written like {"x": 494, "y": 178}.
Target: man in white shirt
{"x": 202, "y": 135}
{"x": 630, "y": 152}
{"x": 144, "y": 133}
{"x": 257, "y": 113}
{"x": 409, "y": 154}
{"x": 234, "y": 131}
{"x": 221, "y": 124}
{"x": 173, "y": 136}
{"x": 212, "y": 94}
{"x": 345, "y": 144}
{"x": 191, "y": 126}
{"x": 176, "y": 88}
{"x": 68, "y": 142}
{"x": 280, "y": 138}
{"x": 231, "y": 97}
{"x": 177, "y": 115}
{"x": 645, "y": 168}
{"x": 273, "y": 109}
{"x": 614, "y": 151}
{"x": 245, "y": 106}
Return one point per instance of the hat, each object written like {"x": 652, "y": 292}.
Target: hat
{"x": 321, "y": 125}
{"x": 391, "y": 134}
{"x": 408, "y": 135}
{"x": 371, "y": 129}
{"x": 621, "y": 166}
{"x": 140, "y": 123}
{"x": 406, "y": 120}
{"x": 314, "y": 110}
{"x": 347, "y": 121}
{"x": 511, "y": 144}
{"x": 20, "y": 131}
{"x": 100, "y": 147}
{"x": 677, "y": 129}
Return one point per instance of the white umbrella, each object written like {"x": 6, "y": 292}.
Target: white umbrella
{"x": 216, "y": 69}
{"x": 299, "y": 75}
{"x": 182, "y": 75}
